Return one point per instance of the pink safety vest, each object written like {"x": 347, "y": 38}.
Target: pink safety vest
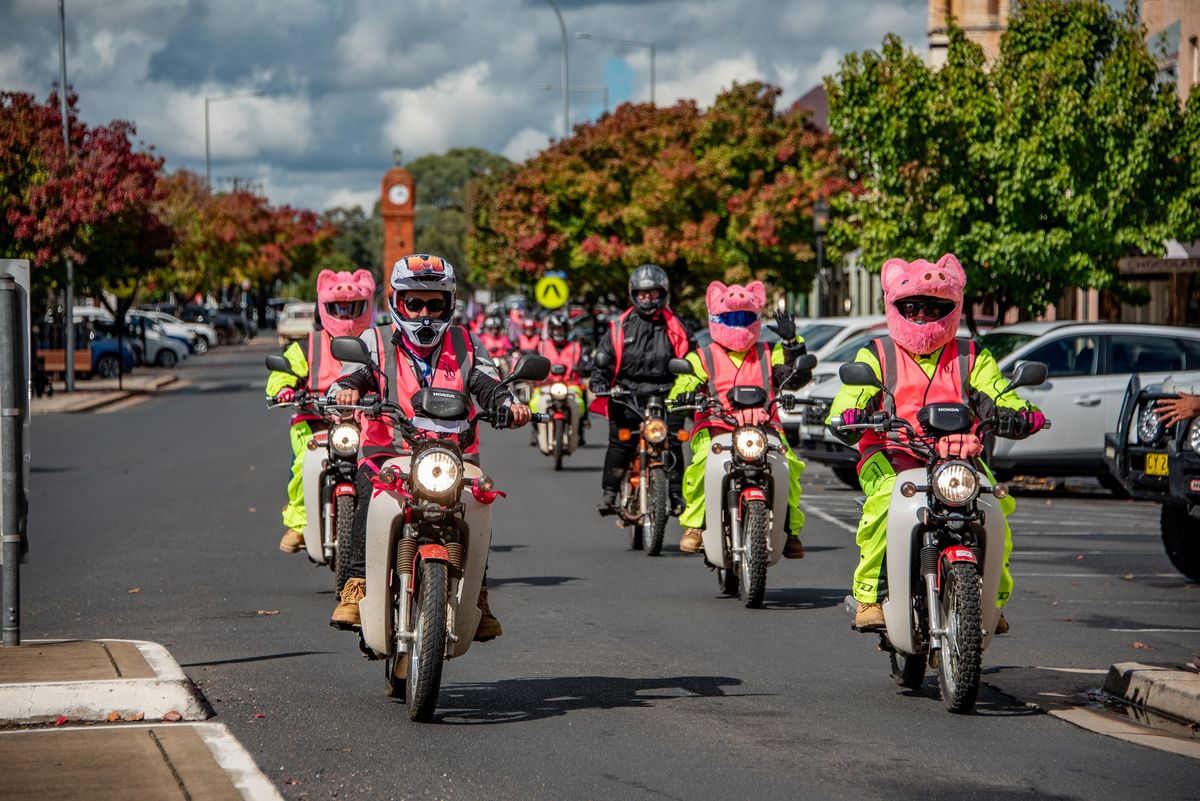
{"x": 723, "y": 375}
{"x": 676, "y": 333}
{"x": 568, "y": 356}
{"x": 906, "y": 380}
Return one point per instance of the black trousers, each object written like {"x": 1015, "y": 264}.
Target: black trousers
{"x": 620, "y": 454}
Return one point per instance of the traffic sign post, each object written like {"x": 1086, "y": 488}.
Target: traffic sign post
{"x": 551, "y": 292}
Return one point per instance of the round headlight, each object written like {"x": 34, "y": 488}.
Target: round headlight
{"x": 343, "y": 438}
{"x": 1194, "y": 435}
{"x": 1150, "y": 428}
{"x": 558, "y": 390}
{"x": 654, "y": 430}
{"x": 956, "y": 483}
{"x": 437, "y": 472}
{"x": 749, "y": 443}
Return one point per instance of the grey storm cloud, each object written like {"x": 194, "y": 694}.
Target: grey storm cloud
{"x": 347, "y": 82}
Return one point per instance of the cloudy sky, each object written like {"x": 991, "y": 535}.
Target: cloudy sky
{"x": 347, "y": 82}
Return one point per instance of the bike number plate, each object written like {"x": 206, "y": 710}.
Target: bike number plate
{"x": 1156, "y": 464}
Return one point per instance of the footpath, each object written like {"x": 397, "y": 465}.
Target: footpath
{"x": 96, "y": 393}
{"x": 114, "y": 720}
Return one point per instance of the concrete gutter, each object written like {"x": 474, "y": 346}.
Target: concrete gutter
{"x": 1172, "y": 690}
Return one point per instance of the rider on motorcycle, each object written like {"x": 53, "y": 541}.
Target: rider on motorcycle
{"x": 529, "y": 338}
{"x": 637, "y": 347}
{"x": 920, "y": 362}
{"x": 424, "y": 350}
{"x": 558, "y": 348}
{"x": 493, "y": 339}
{"x": 737, "y": 358}
{"x": 344, "y": 308}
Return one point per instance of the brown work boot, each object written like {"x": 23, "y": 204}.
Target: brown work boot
{"x": 869, "y": 617}
{"x": 489, "y": 626}
{"x": 793, "y": 549}
{"x": 1001, "y": 625}
{"x": 345, "y": 615}
{"x": 292, "y": 542}
{"x": 692, "y": 540}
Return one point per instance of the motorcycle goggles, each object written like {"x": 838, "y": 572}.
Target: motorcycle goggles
{"x": 414, "y": 305}
{"x": 928, "y": 308}
{"x": 734, "y": 319}
{"x": 346, "y": 309}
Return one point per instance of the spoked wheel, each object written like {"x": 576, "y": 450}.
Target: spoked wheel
{"x": 428, "y": 648}
{"x": 558, "y": 444}
{"x": 908, "y": 671}
{"x": 754, "y": 562}
{"x": 658, "y": 511}
{"x": 962, "y": 649}
{"x": 343, "y": 511}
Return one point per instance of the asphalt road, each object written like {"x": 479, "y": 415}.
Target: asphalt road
{"x": 619, "y": 676}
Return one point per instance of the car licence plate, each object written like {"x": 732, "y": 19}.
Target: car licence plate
{"x": 1156, "y": 464}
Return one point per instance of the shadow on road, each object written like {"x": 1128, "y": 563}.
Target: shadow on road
{"x": 531, "y": 581}
{"x": 263, "y": 658}
{"x": 804, "y": 598}
{"x": 991, "y": 702}
{"x": 520, "y": 700}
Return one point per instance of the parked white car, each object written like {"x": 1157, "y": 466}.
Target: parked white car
{"x": 295, "y": 321}
{"x": 203, "y": 336}
{"x": 1088, "y": 368}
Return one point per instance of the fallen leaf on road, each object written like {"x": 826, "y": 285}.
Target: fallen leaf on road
{"x": 1079, "y": 557}
{"x": 268, "y": 612}
{"x": 1054, "y": 603}
{"x": 136, "y": 716}
{"x": 259, "y": 715}
{"x": 252, "y": 509}
{"x": 172, "y": 716}
{"x": 134, "y": 590}
{"x": 252, "y": 467}
{"x": 113, "y": 717}
{"x": 1127, "y": 576}
{"x": 1142, "y": 645}
{"x": 61, "y": 719}
{"x": 1066, "y": 620}
{"x": 292, "y": 781}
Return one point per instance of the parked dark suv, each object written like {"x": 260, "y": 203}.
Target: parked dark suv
{"x": 1162, "y": 464}
{"x": 232, "y": 329}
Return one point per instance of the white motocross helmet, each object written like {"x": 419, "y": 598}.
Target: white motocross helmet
{"x": 426, "y": 273}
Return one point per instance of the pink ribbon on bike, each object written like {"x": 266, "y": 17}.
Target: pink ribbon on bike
{"x": 487, "y": 497}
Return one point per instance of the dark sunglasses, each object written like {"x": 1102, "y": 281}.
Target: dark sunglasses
{"x": 932, "y": 309}
{"x": 414, "y": 305}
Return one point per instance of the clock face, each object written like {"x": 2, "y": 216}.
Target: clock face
{"x": 398, "y": 194}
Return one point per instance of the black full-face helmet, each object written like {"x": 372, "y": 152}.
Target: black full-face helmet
{"x": 647, "y": 279}
{"x": 557, "y": 328}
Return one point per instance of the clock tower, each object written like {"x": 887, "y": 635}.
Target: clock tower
{"x": 397, "y": 207}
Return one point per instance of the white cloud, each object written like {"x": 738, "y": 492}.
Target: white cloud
{"x": 348, "y": 198}
{"x": 525, "y": 143}
{"x": 707, "y": 82}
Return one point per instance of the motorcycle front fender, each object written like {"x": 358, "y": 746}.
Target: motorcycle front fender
{"x": 714, "y": 499}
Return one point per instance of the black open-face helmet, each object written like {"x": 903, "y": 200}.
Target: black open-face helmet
{"x": 647, "y": 278}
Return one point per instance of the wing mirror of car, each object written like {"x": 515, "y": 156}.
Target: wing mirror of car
{"x": 350, "y": 349}
{"x": 530, "y": 367}
{"x": 280, "y": 365}
{"x": 558, "y": 369}
{"x": 680, "y": 367}
{"x": 1028, "y": 374}
{"x": 857, "y": 374}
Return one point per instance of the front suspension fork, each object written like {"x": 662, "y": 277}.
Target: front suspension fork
{"x": 929, "y": 572}
{"x": 643, "y": 484}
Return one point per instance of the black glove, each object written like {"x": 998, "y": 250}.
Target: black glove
{"x": 785, "y": 326}
{"x": 503, "y": 418}
{"x": 597, "y": 387}
{"x": 685, "y": 399}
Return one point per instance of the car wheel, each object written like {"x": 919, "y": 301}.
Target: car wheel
{"x": 167, "y": 358}
{"x": 108, "y": 366}
{"x": 223, "y": 336}
{"x": 200, "y": 345}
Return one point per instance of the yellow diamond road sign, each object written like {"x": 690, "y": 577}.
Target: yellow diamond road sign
{"x": 551, "y": 292}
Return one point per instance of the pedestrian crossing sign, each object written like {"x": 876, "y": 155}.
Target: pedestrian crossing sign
{"x": 551, "y": 292}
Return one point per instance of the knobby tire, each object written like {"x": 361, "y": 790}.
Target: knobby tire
{"x": 962, "y": 650}
{"x": 429, "y": 646}
{"x": 755, "y": 521}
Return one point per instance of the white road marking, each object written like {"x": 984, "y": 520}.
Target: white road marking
{"x": 1108, "y": 601}
{"x": 821, "y": 513}
{"x": 1172, "y": 631}
{"x": 1093, "y": 575}
{"x": 1072, "y": 552}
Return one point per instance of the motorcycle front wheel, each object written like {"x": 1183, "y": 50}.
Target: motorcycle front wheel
{"x": 754, "y": 562}
{"x": 962, "y": 648}
{"x": 558, "y": 444}
{"x": 428, "y": 648}
{"x": 658, "y": 511}
{"x": 343, "y": 511}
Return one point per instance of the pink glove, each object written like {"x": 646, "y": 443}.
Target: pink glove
{"x": 959, "y": 446}
{"x": 285, "y": 395}
{"x": 1033, "y": 421}
{"x": 854, "y": 417}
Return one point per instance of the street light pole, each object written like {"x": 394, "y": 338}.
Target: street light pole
{"x": 546, "y": 87}
{"x": 69, "y": 299}
{"x": 629, "y": 43}
{"x": 566, "y": 80}
{"x": 207, "y": 149}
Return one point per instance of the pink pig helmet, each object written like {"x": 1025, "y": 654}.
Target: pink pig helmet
{"x": 344, "y": 301}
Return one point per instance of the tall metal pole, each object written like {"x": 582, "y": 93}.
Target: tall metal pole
{"x": 628, "y": 43}
{"x": 652, "y": 73}
{"x": 207, "y": 151}
{"x": 69, "y": 312}
{"x": 566, "y": 81}
{"x": 12, "y": 414}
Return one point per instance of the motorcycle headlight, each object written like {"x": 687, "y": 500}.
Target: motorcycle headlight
{"x": 1194, "y": 435}
{"x": 1150, "y": 428}
{"x": 749, "y": 443}
{"x": 654, "y": 430}
{"x": 558, "y": 390}
{"x": 955, "y": 483}
{"x": 343, "y": 439}
{"x": 437, "y": 473}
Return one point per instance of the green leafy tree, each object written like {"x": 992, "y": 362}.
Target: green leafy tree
{"x": 724, "y": 193}
{"x": 359, "y": 236}
{"x": 1039, "y": 172}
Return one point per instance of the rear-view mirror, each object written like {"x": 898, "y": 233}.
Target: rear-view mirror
{"x": 280, "y": 365}
{"x": 1028, "y": 374}
{"x": 530, "y": 367}
{"x": 350, "y": 349}
{"x": 806, "y": 362}
{"x": 857, "y": 374}
{"x": 680, "y": 367}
